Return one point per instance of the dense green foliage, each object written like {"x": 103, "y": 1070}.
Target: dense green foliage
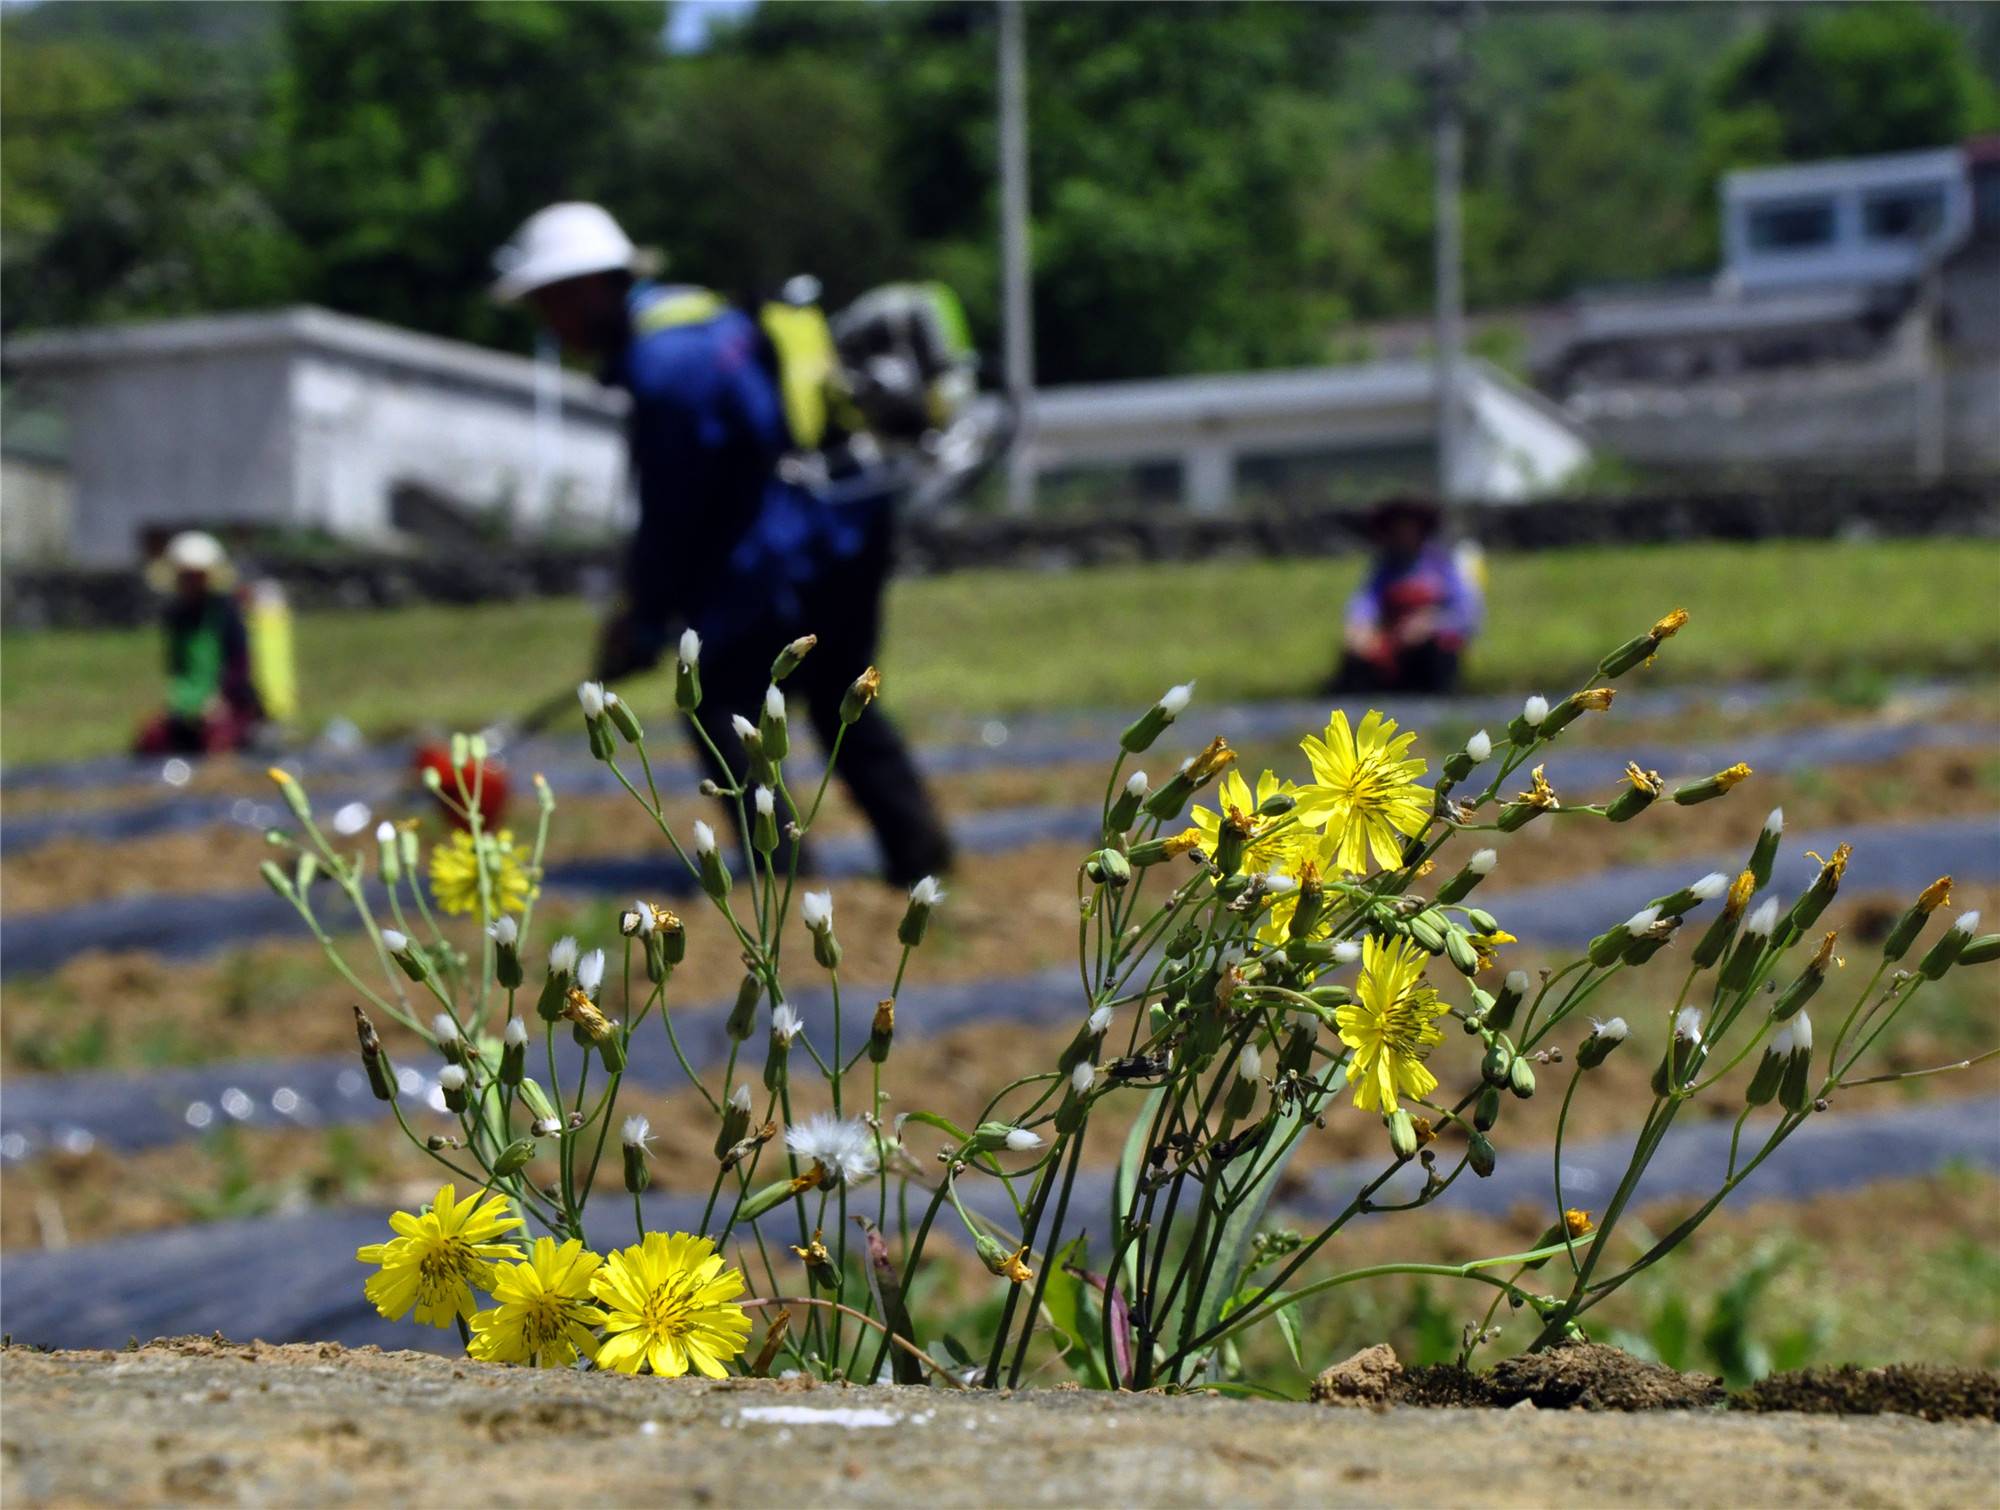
{"x": 1216, "y": 185}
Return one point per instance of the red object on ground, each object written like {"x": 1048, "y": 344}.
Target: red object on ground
{"x": 492, "y": 787}
{"x": 218, "y": 733}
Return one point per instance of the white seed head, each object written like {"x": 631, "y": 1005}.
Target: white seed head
{"x": 743, "y": 727}
{"x": 1099, "y": 1020}
{"x": 395, "y": 942}
{"x": 443, "y": 1029}
{"x": 1641, "y": 920}
{"x": 843, "y": 1146}
{"x": 1801, "y": 1026}
{"x": 1775, "y": 823}
{"x": 1517, "y": 983}
{"x": 766, "y": 800}
{"x": 1276, "y": 884}
{"x": 452, "y": 1077}
{"x": 590, "y": 972}
{"x": 1534, "y": 710}
{"x": 1709, "y": 887}
{"x": 774, "y": 704}
{"x": 1763, "y": 920}
{"x": 504, "y": 931}
{"x": 591, "y": 695}
{"x": 515, "y": 1034}
{"x": 704, "y": 838}
{"x": 1083, "y": 1077}
{"x": 1346, "y": 952}
{"x": 1250, "y": 1063}
{"x": 636, "y": 1131}
{"x": 1614, "y": 1031}
{"x": 927, "y": 892}
{"x": 1479, "y": 746}
{"x": 1136, "y": 784}
{"x": 1687, "y": 1025}
{"x": 816, "y": 909}
{"x": 1020, "y": 1140}
{"x": 1967, "y": 923}
{"x": 546, "y": 1127}
{"x": 1483, "y": 861}
{"x": 385, "y": 832}
{"x": 785, "y": 1023}
{"x": 562, "y": 955}
{"x": 740, "y": 1098}
{"x": 690, "y": 648}
{"x": 1175, "y": 702}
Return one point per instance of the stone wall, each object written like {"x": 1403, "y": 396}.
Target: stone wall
{"x": 78, "y": 598}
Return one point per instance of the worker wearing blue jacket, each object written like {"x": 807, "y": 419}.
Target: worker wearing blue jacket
{"x": 724, "y": 545}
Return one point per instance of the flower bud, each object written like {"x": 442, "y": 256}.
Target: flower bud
{"x": 1495, "y": 1064}
{"x": 1479, "y": 1154}
{"x": 1607, "y": 946}
{"x": 1723, "y": 929}
{"x": 611, "y": 1048}
{"x": 882, "y": 1030}
{"x": 854, "y": 702}
{"x": 1124, "y": 811}
{"x": 386, "y": 858}
{"x": 1402, "y": 1134}
{"x": 1642, "y": 790}
{"x": 513, "y": 1158}
{"x": 1981, "y": 951}
{"x": 687, "y": 673}
{"x": 1812, "y": 902}
{"x": 1513, "y": 991}
{"x": 763, "y": 1200}
{"x": 1765, "y": 854}
{"x": 513, "y": 1051}
{"x": 1597, "y": 1047}
{"x": 1232, "y": 837}
{"x": 1741, "y": 966}
{"x": 1683, "y": 1056}
{"x": 772, "y": 728}
{"x": 381, "y": 1078}
{"x": 1521, "y": 1077}
{"x": 1001, "y": 1263}
{"x": 292, "y": 792}
{"x": 764, "y": 820}
{"x": 506, "y": 936}
{"x": 444, "y": 1028}
{"x": 1458, "y": 949}
{"x": 743, "y": 1015}
{"x": 1800, "y": 991}
{"x": 1707, "y": 889}
{"x": 1486, "y": 1108}
{"x": 1469, "y": 875}
{"x": 785, "y": 1026}
{"x": 816, "y": 911}
{"x": 1139, "y": 736}
{"x": 1946, "y": 951}
{"x": 1154, "y": 851}
{"x": 789, "y": 658}
{"x": 1645, "y": 945}
{"x": 1911, "y": 923}
{"x": 451, "y": 1081}
{"x": 591, "y": 696}
{"x": 735, "y": 1121}
{"x": 408, "y": 957}
{"x": 275, "y": 878}
{"x": 1795, "y": 1088}
{"x": 1634, "y": 651}
{"x": 1711, "y": 787}
{"x": 1526, "y": 727}
{"x": 637, "y": 1176}
{"x": 924, "y": 897}
{"x": 709, "y": 863}
{"x": 1459, "y": 764}
{"x": 562, "y": 970}
{"x": 1107, "y": 867}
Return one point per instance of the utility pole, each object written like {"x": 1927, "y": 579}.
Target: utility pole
{"x": 1448, "y": 147}
{"x": 1017, "y": 280}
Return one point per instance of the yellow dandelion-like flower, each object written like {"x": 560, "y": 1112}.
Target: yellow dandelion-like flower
{"x": 1364, "y": 791}
{"x": 545, "y": 1313}
{"x": 438, "y": 1258}
{"x": 1389, "y": 1026}
{"x": 1276, "y": 844}
{"x": 455, "y": 873}
{"x": 669, "y": 1307}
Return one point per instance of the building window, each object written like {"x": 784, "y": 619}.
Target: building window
{"x": 1903, "y": 214}
{"x": 1792, "y": 226}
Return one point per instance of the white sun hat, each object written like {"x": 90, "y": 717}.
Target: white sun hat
{"x": 570, "y": 240}
{"x": 192, "y": 551}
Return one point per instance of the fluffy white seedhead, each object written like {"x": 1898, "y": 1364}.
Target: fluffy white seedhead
{"x": 690, "y": 648}
{"x": 1175, "y": 702}
{"x": 1083, "y": 1077}
{"x": 1250, "y": 1063}
{"x": 443, "y": 1029}
{"x": 1614, "y": 1031}
{"x": 1801, "y": 1026}
{"x": 844, "y": 1146}
{"x": 1641, "y": 920}
{"x": 515, "y": 1034}
{"x": 1763, "y": 920}
{"x": 1534, "y": 710}
{"x": 927, "y": 892}
{"x": 1346, "y": 952}
{"x": 590, "y": 972}
{"x": 385, "y": 832}
{"x": 1967, "y": 923}
{"x": 395, "y": 942}
{"x": 1136, "y": 784}
{"x": 816, "y": 908}
{"x": 591, "y": 695}
{"x": 785, "y": 1023}
{"x": 1276, "y": 884}
{"x": 1099, "y": 1020}
{"x": 766, "y": 800}
{"x": 643, "y": 911}
{"x": 1480, "y": 745}
{"x": 452, "y": 1077}
{"x": 1517, "y": 983}
{"x": 1020, "y": 1140}
{"x": 1775, "y": 823}
{"x": 1710, "y": 886}
{"x": 562, "y": 955}
{"x": 637, "y": 1130}
{"x": 504, "y": 931}
{"x": 1483, "y": 861}
{"x": 1687, "y": 1025}
{"x": 743, "y": 727}
{"x": 546, "y": 1127}
{"x": 740, "y": 1098}
{"x": 774, "y": 703}
{"x": 704, "y": 838}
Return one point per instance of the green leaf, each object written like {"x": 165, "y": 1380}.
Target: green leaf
{"x": 1130, "y": 1164}
{"x": 1078, "y": 1323}
{"x": 1233, "y": 1251}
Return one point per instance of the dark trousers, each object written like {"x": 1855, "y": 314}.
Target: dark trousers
{"x": 875, "y": 765}
{"x": 1423, "y": 667}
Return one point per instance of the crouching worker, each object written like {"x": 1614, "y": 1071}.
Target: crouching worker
{"x": 1411, "y": 619}
{"x": 212, "y": 702}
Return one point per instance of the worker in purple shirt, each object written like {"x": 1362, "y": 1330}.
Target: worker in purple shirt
{"x": 1411, "y": 619}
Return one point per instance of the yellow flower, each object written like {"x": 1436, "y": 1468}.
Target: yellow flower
{"x": 1389, "y": 1026}
{"x": 1276, "y": 844}
{"x": 437, "y": 1259}
{"x": 1364, "y": 791}
{"x": 455, "y": 874}
{"x": 545, "y": 1312}
{"x": 669, "y": 1303}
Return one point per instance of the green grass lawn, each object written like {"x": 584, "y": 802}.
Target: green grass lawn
{"x": 981, "y": 642}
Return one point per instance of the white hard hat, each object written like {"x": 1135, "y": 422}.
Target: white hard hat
{"x": 193, "y": 551}
{"x": 563, "y": 241}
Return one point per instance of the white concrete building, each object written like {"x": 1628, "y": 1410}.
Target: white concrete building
{"x": 305, "y": 420}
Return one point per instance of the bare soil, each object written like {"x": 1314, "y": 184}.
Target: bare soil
{"x": 207, "y": 1420}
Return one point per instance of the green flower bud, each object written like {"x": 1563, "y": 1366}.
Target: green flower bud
{"x": 514, "y": 1158}
{"x": 1521, "y": 1077}
{"x": 1946, "y": 951}
{"x": 1402, "y": 1134}
{"x": 924, "y": 897}
{"x": 1479, "y": 1154}
{"x": 1495, "y": 1066}
{"x": 1107, "y": 867}
{"x": 1148, "y": 726}
{"x": 789, "y": 658}
{"x": 1486, "y": 1110}
{"x": 687, "y": 673}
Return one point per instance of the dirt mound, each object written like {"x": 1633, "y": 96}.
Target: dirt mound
{"x": 1909, "y": 1389}
{"x": 1582, "y": 1376}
